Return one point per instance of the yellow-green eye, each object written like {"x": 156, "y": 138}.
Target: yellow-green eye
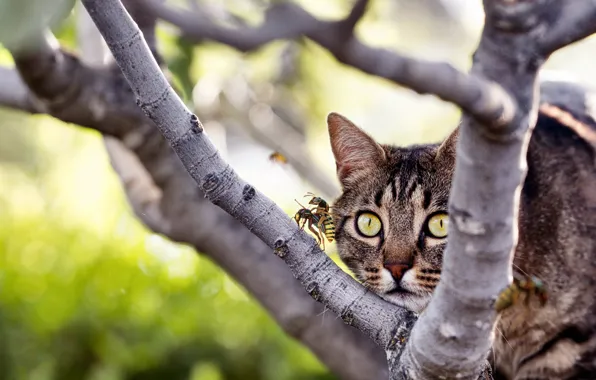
{"x": 437, "y": 225}
{"x": 368, "y": 224}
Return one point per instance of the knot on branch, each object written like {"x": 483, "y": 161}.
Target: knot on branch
{"x": 195, "y": 124}
{"x": 347, "y": 317}
{"x": 280, "y": 247}
{"x": 313, "y": 289}
{"x": 248, "y": 193}
{"x": 215, "y": 184}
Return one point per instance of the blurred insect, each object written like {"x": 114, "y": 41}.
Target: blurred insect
{"x": 321, "y": 210}
{"x": 307, "y": 216}
{"x": 278, "y": 157}
{"x": 527, "y": 284}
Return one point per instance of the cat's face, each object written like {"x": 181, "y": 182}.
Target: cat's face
{"x": 391, "y": 219}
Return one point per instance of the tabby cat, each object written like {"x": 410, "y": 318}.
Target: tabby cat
{"x": 392, "y": 224}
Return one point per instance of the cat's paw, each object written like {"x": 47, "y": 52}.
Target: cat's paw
{"x": 528, "y": 285}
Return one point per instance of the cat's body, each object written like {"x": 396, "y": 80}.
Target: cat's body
{"x": 391, "y": 227}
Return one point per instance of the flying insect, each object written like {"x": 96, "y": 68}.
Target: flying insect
{"x": 278, "y": 158}
{"x": 521, "y": 284}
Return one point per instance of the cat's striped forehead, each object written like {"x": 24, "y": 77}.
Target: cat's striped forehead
{"x": 410, "y": 173}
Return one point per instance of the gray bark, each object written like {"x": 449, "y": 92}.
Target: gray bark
{"x": 454, "y": 334}
{"x": 323, "y": 280}
{"x": 288, "y": 20}
{"x": 168, "y": 201}
{"x": 499, "y": 100}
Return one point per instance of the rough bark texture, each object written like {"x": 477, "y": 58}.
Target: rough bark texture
{"x": 498, "y": 98}
{"x": 454, "y": 335}
{"x": 166, "y": 199}
{"x": 323, "y": 280}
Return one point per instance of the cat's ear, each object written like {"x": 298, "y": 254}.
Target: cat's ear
{"x": 447, "y": 149}
{"x": 356, "y": 153}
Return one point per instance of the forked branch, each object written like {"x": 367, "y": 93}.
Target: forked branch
{"x": 322, "y": 278}
{"x": 577, "y": 20}
{"x": 103, "y": 101}
{"x": 478, "y": 97}
{"x": 454, "y": 334}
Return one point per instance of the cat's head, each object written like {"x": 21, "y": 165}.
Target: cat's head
{"x": 391, "y": 219}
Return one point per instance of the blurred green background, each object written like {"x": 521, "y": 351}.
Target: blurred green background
{"x": 86, "y": 292}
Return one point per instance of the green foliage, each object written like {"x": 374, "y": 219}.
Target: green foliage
{"x": 78, "y": 307}
{"x": 86, "y": 293}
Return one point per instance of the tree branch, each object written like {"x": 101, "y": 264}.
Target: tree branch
{"x": 355, "y": 15}
{"x": 146, "y": 23}
{"x": 184, "y": 215}
{"x": 323, "y": 280}
{"x": 14, "y": 93}
{"x": 61, "y": 82}
{"x": 143, "y": 195}
{"x": 169, "y": 203}
{"x": 486, "y": 101}
{"x": 455, "y": 333}
{"x": 576, "y": 22}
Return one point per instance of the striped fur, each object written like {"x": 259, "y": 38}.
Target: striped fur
{"x": 557, "y": 236}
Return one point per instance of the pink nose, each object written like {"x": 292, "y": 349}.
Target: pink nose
{"x": 397, "y": 270}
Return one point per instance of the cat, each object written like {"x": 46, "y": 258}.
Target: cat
{"x": 392, "y": 222}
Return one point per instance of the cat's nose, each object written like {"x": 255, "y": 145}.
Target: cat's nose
{"x": 397, "y": 270}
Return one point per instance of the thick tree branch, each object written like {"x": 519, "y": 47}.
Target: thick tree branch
{"x": 455, "y": 333}
{"x": 576, "y": 22}
{"x": 61, "y": 82}
{"x": 324, "y": 281}
{"x": 170, "y": 204}
{"x": 184, "y": 215}
{"x": 143, "y": 195}
{"x": 146, "y": 23}
{"x": 486, "y": 101}
{"x": 14, "y": 92}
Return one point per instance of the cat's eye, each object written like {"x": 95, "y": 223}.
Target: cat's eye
{"x": 368, "y": 224}
{"x": 437, "y": 225}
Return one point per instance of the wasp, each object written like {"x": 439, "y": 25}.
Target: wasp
{"x": 528, "y": 284}
{"x": 308, "y": 216}
{"x": 321, "y": 204}
{"x": 321, "y": 210}
{"x": 278, "y": 157}
{"x": 325, "y": 224}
